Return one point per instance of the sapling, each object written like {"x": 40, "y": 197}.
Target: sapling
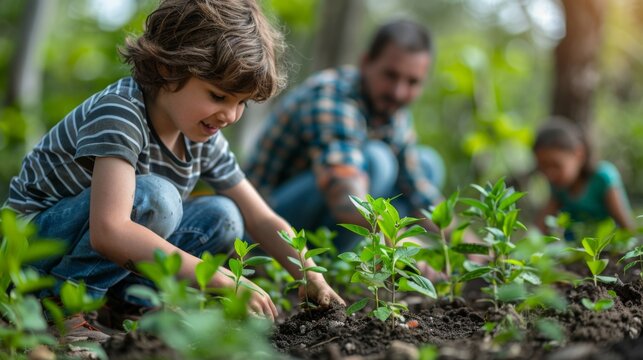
{"x": 636, "y": 257}
{"x": 26, "y": 325}
{"x": 238, "y": 266}
{"x": 377, "y": 264}
{"x": 599, "y": 305}
{"x": 592, "y": 248}
{"x": 193, "y": 328}
{"x": 298, "y": 243}
{"x": 496, "y": 210}
{"x": 442, "y": 216}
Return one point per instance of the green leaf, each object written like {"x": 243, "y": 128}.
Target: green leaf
{"x": 363, "y": 207}
{"x": 357, "y": 306}
{"x": 172, "y": 264}
{"x": 295, "y": 261}
{"x": 597, "y": 266}
{"x": 629, "y": 265}
{"x": 590, "y": 245}
{"x": 241, "y": 247}
{"x": 606, "y": 279}
{"x": 412, "y": 231}
{"x": 258, "y": 260}
{"x": 317, "y": 269}
{"x": 349, "y": 257}
{"x": 632, "y": 253}
{"x": 477, "y": 204}
{"x": 382, "y": 313}
{"x": 314, "y": 252}
{"x": 203, "y": 273}
{"x": 359, "y": 230}
{"x": 531, "y": 278}
{"x": 510, "y": 200}
{"x": 42, "y": 249}
{"x": 474, "y": 274}
{"x": 604, "y": 304}
{"x": 512, "y": 292}
{"x": 285, "y": 236}
{"x": 550, "y": 329}
{"x": 235, "y": 267}
{"x": 470, "y": 248}
{"x": 146, "y": 293}
{"x": 480, "y": 189}
{"x": 441, "y": 215}
{"x": 418, "y": 283}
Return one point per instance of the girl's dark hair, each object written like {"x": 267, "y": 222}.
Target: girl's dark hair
{"x": 406, "y": 34}
{"x": 229, "y": 43}
{"x": 561, "y": 133}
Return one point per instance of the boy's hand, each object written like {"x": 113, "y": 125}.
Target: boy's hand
{"x": 260, "y": 303}
{"x": 320, "y": 292}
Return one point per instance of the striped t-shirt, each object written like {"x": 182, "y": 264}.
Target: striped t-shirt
{"x": 113, "y": 123}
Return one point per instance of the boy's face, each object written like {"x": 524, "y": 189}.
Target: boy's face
{"x": 199, "y": 109}
{"x": 561, "y": 167}
{"x": 395, "y": 78}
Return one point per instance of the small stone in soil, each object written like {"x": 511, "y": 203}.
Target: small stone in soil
{"x": 302, "y": 329}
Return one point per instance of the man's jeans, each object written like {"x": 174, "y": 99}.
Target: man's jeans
{"x": 302, "y": 204}
{"x": 208, "y": 223}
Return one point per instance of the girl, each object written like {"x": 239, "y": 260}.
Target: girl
{"x": 585, "y": 189}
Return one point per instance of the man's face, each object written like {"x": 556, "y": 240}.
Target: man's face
{"x": 395, "y": 78}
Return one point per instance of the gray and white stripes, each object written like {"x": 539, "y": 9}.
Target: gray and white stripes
{"x": 113, "y": 123}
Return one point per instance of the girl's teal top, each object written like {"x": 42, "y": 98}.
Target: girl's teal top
{"x": 590, "y": 205}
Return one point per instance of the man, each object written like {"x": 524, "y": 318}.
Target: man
{"x": 348, "y": 131}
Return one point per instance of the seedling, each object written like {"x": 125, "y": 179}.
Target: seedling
{"x": 238, "y": 266}
{"x": 592, "y": 248}
{"x": 339, "y": 271}
{"x": 497, "y": 212}
{"x": 298, "y": 242}
{"x": 442, "y": 216}
{"x": 376, "y": 266}
{"x": 26, "y": 325}
{"x": 599, "y": 305}
{"x": 636, "y": 257}
{"x": 193, "y": 328}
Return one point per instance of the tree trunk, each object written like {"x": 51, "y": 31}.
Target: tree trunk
{"x": 339, "y": 27}
{"x": 576, "y": 57}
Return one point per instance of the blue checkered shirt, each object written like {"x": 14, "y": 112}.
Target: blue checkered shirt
{"x": 325, "y": 122}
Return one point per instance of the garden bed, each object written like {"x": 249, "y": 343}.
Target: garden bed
{"x": 456, "y": 330}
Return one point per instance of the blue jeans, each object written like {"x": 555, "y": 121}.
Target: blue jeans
{"x": 208, "y": 223}
{"x": 302, "y": 204}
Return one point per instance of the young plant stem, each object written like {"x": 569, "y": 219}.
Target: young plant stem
{"x": 304, "y": 277}
{"x": 447, "y": 264}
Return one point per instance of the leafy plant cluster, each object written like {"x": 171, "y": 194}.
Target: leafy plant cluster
{"x": 23, "y": 326}
{"x": 386, "y": 263}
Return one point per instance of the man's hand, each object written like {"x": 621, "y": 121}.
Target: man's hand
{"x": 319, "y": 291}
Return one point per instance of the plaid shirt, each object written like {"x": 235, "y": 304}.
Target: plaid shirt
{"x": 325, "y": 122}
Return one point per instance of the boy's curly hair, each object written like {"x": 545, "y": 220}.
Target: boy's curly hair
{"x": 229, "y": 43}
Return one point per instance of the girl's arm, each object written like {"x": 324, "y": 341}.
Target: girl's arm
{"x": 551, "y": 208}
{"x": 114, "y": 235}
{"x": 619, "y": 209}
{"x": 263, "y": 225}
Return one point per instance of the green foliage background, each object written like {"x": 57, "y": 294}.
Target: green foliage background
{"x": 489, "y": 88}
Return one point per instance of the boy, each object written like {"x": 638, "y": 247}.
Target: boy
{"x": 118, "y": 169}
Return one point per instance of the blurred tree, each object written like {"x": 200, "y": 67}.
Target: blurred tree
{"x": 337, "y": 33}
{"x": 576, "y": 60}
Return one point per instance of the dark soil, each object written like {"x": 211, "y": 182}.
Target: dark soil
{"x": 456, "y": 329}
{"x": 137, "y": 346}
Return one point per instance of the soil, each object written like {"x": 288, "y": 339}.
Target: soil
{"x": 456, "y": 329}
